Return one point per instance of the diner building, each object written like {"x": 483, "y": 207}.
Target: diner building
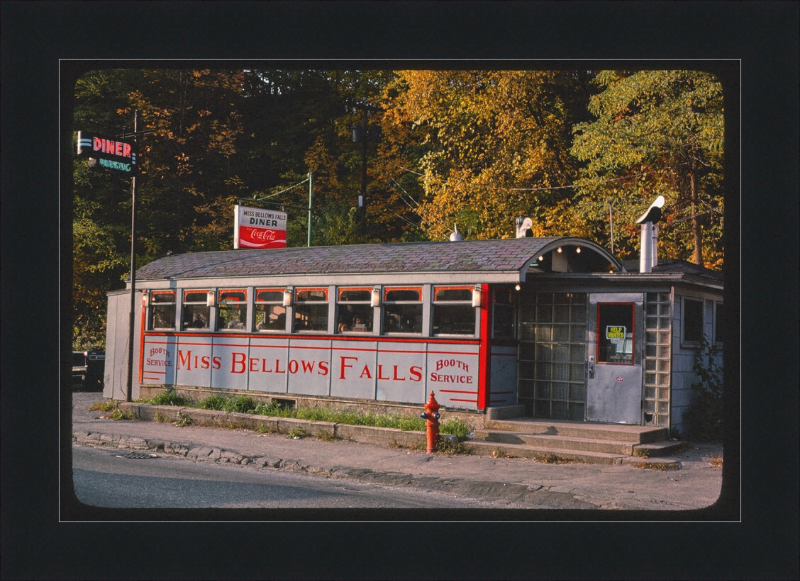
{"x": 528, "y": 327}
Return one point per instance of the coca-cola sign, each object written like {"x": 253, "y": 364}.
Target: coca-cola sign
{"x": 259, "y": 228}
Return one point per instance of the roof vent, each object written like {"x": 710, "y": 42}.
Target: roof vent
{"x": 456, "y": 235}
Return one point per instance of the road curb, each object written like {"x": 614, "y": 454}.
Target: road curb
{"x": 388, "y": 437}
{"x": 478, "y": 489}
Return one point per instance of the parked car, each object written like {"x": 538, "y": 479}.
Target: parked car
{"x": 87, "y": 370}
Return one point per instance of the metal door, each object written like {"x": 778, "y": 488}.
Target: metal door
{"x": 614, "y": 348}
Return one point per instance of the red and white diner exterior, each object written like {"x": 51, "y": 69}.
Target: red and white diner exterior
{"x": 550, "y": 327}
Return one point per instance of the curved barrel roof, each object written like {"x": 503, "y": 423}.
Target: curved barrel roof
{"x": 469, "y": 256}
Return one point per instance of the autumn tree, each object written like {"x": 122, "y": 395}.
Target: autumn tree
{"x": 496, "y": 147}
{"x": 189, "y": 183}
{"x": 656, "y": 133}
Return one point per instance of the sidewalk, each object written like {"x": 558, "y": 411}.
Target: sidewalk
{"x": 511, "y": 482}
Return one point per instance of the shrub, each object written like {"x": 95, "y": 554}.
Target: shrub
{"x": 169, "y": 398}
{"x": 457, "y": 427}
{"x": 241, "y": 404}
{"x": 704, "y": 417}
{"x": 214, "y": 402}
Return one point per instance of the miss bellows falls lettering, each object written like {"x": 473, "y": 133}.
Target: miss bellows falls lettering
{"x": 107, "y": 153}
{"x": 258, "y": 228}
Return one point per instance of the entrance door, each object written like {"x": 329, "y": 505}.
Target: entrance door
{"x": 614, "y": 347}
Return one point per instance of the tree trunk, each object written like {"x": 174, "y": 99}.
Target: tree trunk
{"x": 696, "y": 228}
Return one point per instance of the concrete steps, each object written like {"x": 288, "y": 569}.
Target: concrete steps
{"x": 548, "y": 441}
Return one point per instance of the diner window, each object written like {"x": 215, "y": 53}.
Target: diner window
{"x": 719, "y": 323}
{"x": 196, "y": 312}
{"x": 311, "y": 309}
{"x": 232, "y": 305}
{"x": 355, "y": 311}
{"x": 402, "y": 311}
{"x": 453, "y": 313}
{"x": 504, "y": 312}
{"x": 270, "y": 313}
{"x": 615, "y": 333}
{"x": 692, "y": 321}
{"x": 162, "y": 309}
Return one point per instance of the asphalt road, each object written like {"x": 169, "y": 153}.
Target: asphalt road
{"x": 106, "y": 478}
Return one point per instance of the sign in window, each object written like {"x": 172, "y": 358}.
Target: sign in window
{"x": 615, "y": 333}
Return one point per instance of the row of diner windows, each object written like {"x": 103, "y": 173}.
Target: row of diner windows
{"x": 357, "y": 310}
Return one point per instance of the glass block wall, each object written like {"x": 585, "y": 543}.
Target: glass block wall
{"x": 552, "y": 355}
{"x": 657, "y": 359}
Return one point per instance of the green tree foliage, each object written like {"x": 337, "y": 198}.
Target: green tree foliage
{"x": 656, "y": 133}
{"x": 101, "y": 208}
{"x": 704, "y": 418}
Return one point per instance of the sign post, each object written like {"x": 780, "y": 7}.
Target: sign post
{"x": 122, "y": 156}
{"x": 129, "y": 394}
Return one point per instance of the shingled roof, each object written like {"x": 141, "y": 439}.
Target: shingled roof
{"x": 675, "y": 266}
{"x": 423, "y": 257}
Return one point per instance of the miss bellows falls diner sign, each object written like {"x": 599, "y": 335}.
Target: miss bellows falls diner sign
{"x": 258, "y": 228}
{"x": 107, "y": 153}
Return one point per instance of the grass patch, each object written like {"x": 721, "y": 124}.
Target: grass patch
{"x": 103, "y": 406}
{"x": 456, "y": 427}
{"x": 170, "y": 398}
{"x": 183, "y": 421}
{"x": 119, "y": 414}
{"x": 351, "y": 418}
{"x": 213, "y": 402}
{"x": 246, "y": 404}
{"x": 241, "y": 404}
{"x": 297, "y": 434}
{"x": 445, "y": 446}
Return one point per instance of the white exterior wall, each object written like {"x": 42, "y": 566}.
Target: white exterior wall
{"x": 683, "y": 358}
{"x": 115, "y": 377}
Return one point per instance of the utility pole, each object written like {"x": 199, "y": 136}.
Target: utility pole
{"x": 611, "y": 221}
{"x": 363, "y": 134}
{"x": 132, "y": 319}
{"x": 310, "y": 197}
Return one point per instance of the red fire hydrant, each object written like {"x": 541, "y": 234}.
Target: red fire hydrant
{"x": 432, "y": 424}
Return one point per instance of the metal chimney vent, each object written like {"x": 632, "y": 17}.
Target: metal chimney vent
{"x": 648, "y": 257}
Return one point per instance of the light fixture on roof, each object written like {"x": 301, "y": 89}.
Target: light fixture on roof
{"x": 476, "y": 296}
{"x": 287, "y": 297}
{"x": 211, "y": 299}
{"x": 375, "y": 297}
{"x": 145, "y": 298}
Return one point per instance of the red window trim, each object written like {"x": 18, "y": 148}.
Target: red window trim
{"x": 297, "y": 292}
{"x": 270, "y": 290}
{"x": 399, "y": 288}
{"x": 633, "y": 336}
{"x": 353, "y": 288}
{"x": 232, "y": 290}
{"x": 194, "y": 290}
{"x": 436, "y": 289}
